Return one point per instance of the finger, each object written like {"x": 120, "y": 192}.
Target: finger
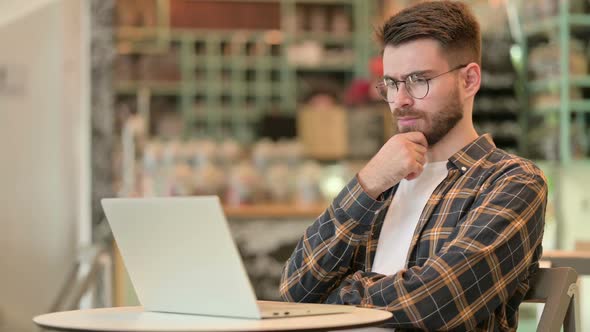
{"x": 411, "y": 176}
{"x": 417, "y": 137}
{"x": 420, "y": 149}
{"x": 420, "y": 158}
{"x": 415, "y": 171}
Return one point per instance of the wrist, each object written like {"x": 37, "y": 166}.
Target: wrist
{"x": 370, "y": 187}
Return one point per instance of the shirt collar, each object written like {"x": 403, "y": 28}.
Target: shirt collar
{"x": 465, "y": 158}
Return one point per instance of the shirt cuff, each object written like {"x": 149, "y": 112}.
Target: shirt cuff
{"x": 357, "y": 204}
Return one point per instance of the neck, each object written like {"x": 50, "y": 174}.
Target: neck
{"x": 461, "y": 135}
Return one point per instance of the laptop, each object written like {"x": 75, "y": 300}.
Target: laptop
{"x": 181, "y": 258}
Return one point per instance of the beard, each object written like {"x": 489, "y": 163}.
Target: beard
{"x": 435, "y": 125}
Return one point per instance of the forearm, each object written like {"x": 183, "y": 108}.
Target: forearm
{"x": 324, "y": 254}
{"x": 436, "y": 296}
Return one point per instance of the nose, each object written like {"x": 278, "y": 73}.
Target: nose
{"x": 403, "y": 99}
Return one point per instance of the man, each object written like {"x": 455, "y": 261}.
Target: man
{"x": 441, "y": 228}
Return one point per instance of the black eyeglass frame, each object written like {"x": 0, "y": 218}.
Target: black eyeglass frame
{"x": 396, "y": 83}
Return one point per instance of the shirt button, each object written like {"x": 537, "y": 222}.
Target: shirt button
{"x": 464, "y": 169}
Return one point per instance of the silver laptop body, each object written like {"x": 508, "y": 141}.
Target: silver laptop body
{"x": 181, "y": 258}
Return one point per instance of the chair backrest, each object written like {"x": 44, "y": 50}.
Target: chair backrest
{"x": 556, "y": 287}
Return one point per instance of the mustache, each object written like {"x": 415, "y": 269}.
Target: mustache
{"x": 405, "y": 112}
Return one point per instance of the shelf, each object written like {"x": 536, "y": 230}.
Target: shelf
{"x": 162, "y": 88}
{"x": 194, "y": 88}
{"x": 325, "y": 38}
{"x": 241, "y": 90}
{"x": 322, "y": 2}
{"x": 275, "y": 211}
{"x": 193, "y": 35}
{"x": 235, "y": 62}
{"x": 581, "y": 106}
{"x": 490, "y": 80}
{"x": 333, "y": 67}
{"x": 552, "y": 23}
{"x": 311, "y": 2}
{"x": 500, "y": 114}
{"x": 581, "y": 20}
{"x": 555, "y": 83}
{"x": 138, "y": 32}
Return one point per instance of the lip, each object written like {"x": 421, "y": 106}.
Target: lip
{"x": 407, "y": 121}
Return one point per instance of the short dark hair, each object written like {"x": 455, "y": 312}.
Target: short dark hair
{"x": 451, "y": 23}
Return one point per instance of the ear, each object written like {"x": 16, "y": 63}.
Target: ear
{"x": 471, "y": 79}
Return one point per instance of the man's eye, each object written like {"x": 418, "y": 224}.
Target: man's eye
{"x": 389, "y": 82}
{"x": 414, "y": 79}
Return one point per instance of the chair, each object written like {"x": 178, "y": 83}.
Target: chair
{"x": 556, "y": 287}
{"x": 578, "y": 259}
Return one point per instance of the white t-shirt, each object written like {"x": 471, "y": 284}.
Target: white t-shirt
{"x": 401, "y": 220}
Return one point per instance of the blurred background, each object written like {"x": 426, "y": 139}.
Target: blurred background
{"x": 269, "y": 104}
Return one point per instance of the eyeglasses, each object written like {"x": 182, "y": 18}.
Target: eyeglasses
{"x": 416, "y": 86}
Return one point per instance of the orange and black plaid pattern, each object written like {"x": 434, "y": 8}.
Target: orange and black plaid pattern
{"x": 477, "y": 243}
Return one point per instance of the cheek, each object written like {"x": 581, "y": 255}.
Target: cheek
{"x": 426, "y": 107}
{"x": 442, "y": 90}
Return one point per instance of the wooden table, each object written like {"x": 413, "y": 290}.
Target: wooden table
{"x": 136, "y": 319}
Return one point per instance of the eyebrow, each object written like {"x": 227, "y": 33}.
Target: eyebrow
{"x": 417, "y": 72}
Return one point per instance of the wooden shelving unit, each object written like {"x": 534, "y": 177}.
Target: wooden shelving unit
{"x": 230, "y": 78}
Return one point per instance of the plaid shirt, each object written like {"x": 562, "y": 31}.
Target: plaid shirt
{"x": 477, "y": 243}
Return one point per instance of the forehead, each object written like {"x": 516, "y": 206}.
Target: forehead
{"x": 417, "y": 55}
